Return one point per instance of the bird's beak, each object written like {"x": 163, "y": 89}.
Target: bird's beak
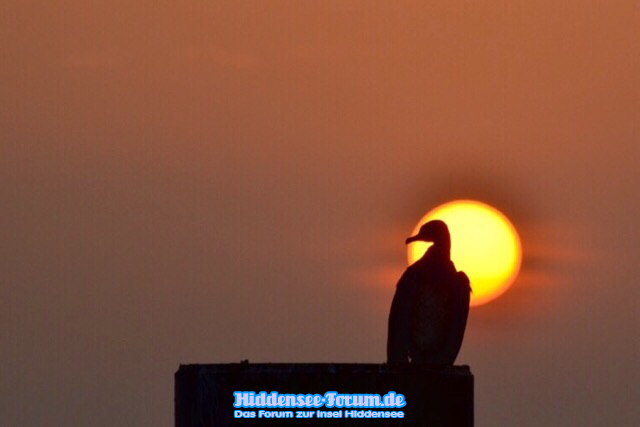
{"x": 419, "y": 238}
{"x": 412, "y": 239}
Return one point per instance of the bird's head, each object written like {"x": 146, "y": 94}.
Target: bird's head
{"x": 435, "y": 231}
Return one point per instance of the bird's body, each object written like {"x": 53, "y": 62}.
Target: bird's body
{"x": 430, "y": 307}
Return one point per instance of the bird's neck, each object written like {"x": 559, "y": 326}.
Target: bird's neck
{"x": 440, "y": 251}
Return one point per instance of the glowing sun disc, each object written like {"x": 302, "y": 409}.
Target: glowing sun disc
{"x": 484, "y": 244}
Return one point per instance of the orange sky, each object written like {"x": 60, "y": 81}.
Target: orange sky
{"x": 205, "y": 182}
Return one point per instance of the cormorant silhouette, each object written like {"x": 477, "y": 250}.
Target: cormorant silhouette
{"x": 430, "y": 307}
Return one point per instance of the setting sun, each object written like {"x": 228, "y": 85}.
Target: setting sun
{"x": 484, "y": 244}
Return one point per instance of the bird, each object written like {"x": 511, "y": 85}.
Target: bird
{"x": 430, "y": 307}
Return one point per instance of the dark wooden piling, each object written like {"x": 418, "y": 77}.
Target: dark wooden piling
{"x": 435, "y": 396}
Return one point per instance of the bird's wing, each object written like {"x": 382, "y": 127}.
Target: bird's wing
{"x": 463, "y": 283}
{"x": 461, "y": 296}
{"x": 399, "y": 332}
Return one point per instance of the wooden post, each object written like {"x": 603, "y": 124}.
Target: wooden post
{"x": 434, "y": 396}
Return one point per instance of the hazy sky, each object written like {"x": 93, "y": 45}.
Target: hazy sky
{"x": 208, "y": 181}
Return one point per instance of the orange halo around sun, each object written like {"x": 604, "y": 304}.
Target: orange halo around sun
{"x": 484, "y": 244}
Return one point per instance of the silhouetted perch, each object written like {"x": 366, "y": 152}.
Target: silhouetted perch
{"x": 435, "y": 396}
